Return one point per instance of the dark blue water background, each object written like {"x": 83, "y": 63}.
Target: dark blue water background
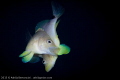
{"x": 84, "y": 27}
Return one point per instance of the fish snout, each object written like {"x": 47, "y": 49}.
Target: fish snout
{"x": 54, "y": 50}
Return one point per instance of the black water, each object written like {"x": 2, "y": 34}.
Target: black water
{"x": 85, "y": 27}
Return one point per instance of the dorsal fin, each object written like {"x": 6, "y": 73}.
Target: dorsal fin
{"x": 41, "y": 24}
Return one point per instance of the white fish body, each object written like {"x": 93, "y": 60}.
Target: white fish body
{"x": 40, "y": 43}
{"x": 49, "y": 55}
{"x": 50, "y": 25}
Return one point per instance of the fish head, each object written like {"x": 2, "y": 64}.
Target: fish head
{"x": 46, "y": 44}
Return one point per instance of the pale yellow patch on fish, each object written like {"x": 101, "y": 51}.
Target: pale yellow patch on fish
{"x": 49, "y": 61}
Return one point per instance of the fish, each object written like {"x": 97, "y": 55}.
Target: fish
{"x": 50, "y": 27}
{"x": 40, "y": 43}
{"x": 49, "y": 53}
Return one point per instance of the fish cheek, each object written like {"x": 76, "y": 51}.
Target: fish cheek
{"x": 45, "y": 44}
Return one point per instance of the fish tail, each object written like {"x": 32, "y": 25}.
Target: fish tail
{"x": 58, "y": 10}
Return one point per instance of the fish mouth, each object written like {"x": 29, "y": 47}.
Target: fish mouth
{"x": 54, "y": 50}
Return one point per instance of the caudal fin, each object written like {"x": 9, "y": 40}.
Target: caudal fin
{"x": 58, "y": 10}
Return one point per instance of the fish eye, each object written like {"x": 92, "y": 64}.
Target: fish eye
{"x": 49, "y": 41}
{"x": 44, "y": 62}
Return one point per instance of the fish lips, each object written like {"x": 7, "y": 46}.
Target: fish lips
{"x": 54, "y": 50}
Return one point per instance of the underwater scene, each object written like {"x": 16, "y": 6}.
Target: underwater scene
{"x": 55, "y": 39}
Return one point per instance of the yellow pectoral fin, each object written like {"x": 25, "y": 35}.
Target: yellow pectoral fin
{"x": 64, "y": 49}
{"x": 24, "y": 53}
{"x": 28, "y": 57}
